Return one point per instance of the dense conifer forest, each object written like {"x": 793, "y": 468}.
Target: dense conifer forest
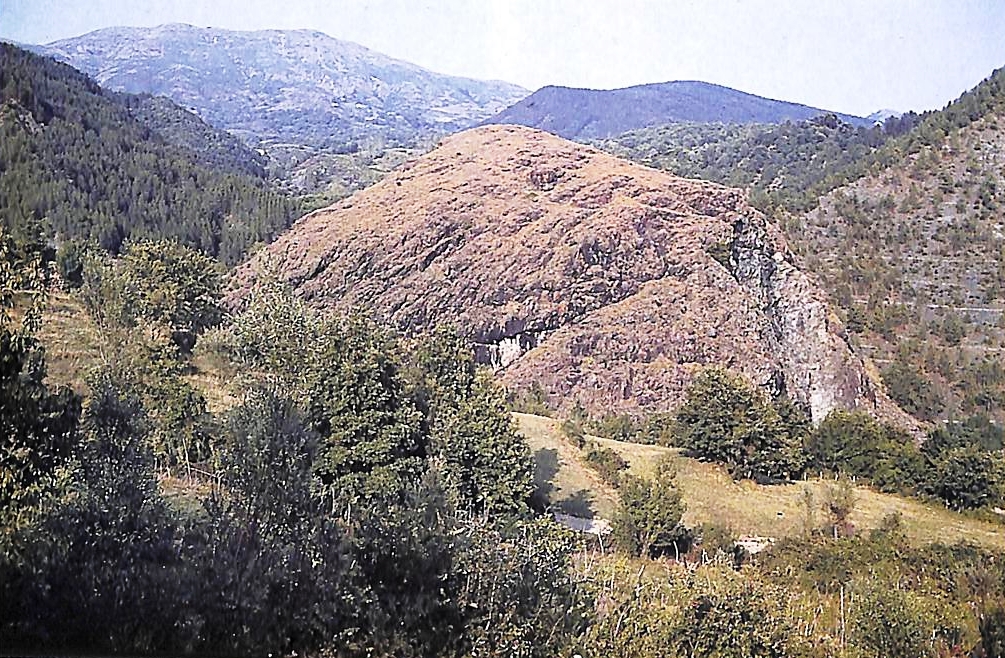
{"x": 80, "y": 163}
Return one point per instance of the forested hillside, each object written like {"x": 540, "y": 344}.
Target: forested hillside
{"x": 789, "y": 164}
{"x": 77, "y": 162}
{"x": 914, "y": 254}
{"x": 903, "y": 222}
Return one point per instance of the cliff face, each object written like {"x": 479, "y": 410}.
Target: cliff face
{"x": 605, "y": 282}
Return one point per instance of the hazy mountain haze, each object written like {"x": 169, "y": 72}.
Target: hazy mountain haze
{"x": 854, "y": 57}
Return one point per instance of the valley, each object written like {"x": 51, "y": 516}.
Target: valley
{"x": 309, "y": 350}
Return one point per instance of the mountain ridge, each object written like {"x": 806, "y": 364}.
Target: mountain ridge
{"x": 579, "y": 113}
{"x": 283, "y": 84}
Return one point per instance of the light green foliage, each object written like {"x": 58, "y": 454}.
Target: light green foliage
{"x": 725, "y": 419}
{"x": 618, "y": 427}
{"x": 277, "y": 333}
{"x": 712, "y": 613}
{"x": 179, "y": 426}
{"x": 176, "y": 287}
{"x": 891, "y": 623}
{"x": 648, "y": 522}
{"x": 159, "y": 285}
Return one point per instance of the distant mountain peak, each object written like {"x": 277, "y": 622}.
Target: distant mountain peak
{"x": 879, "y": 116}
{"x": 577, "y": 113}
{"x": 299, "y": 85}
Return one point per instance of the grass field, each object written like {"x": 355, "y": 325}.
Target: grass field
{"x": 712, "y": 496}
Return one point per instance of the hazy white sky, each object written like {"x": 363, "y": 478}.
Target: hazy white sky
{"x": 853, "y": 56}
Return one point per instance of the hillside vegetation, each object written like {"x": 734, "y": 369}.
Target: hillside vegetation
{"x": 76, "y": 163}
{"x": 903, "y": 223}
{"x": 743, "y": 507}
{"x": 915, "y": 255}
{"x": 786, "y": 165}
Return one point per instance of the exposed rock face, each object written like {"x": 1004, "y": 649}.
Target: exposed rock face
{"x": 606, "y": 282}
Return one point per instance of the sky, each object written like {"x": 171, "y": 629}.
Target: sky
{"x": 853, "y": 56}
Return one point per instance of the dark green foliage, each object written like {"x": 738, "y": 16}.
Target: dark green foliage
{"x": 992, "y": 629}
{"x": 518, "y": 590}
{"x": 726, "y": 420}
{"x": 648, "y": 522}
{"x": 70, "y": 263}
{"x": 75, "y": 164}
{"x": 273, "y": 567}
{"x": 658, "y": 429}
{"x": 440, "y": 370}
{"x": 912, "y": 391}
{"x": 101, "y": 567}
{"x": 793, "y": 164}
{"x": 855, "y": 444}
{"x": 484, "y": 464}
{"x": 214, "y": 149}
{"x": 356, "y": 401}
{"x": 977, "y": 430}
{"x": 967, "y": 477}
{"x": 605, "y": 461}
{"x": 789, "y": 164}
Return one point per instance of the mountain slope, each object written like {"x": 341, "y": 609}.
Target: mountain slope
{"x": 593, "y": 114}
{"x": 298, "y": 85}
{"x": 788, "y": 164}
{"x": 603, "y": 281}
{"x": 915, "y": 253}
{"x": 76, "y": 163}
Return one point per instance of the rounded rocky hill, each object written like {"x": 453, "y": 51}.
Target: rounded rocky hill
{"x": 605, "y": 282}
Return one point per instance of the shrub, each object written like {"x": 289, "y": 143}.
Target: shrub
{"x": 648, "y": 522}
{"x": 606, "y": 462}
{"x": 573, "y": 431}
